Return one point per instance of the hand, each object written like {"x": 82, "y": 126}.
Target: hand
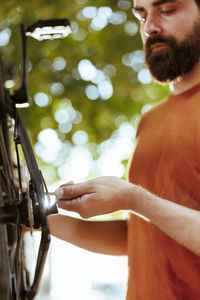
{"x": 98, "y": 196}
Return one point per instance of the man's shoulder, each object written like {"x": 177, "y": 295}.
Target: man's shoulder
{"x": 156, "y": 108}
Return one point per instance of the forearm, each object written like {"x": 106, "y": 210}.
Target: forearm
{"x": 106, "y": 237}
{"x": 179, "y": 222}
{"x": 108, "y": 194}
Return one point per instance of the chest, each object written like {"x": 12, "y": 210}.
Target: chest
{"x": 167, "y": 143}
{"x": 171, "y": 134}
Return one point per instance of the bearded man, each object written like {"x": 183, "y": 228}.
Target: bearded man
{"x": 164, "y": 173}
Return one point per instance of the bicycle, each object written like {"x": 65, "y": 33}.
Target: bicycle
{"x": 22, "y": 203}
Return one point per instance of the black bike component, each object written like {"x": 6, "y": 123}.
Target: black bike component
{"x": 21, "y": 95}
{"x": 6, "y": 172}
{"x": 37, "y": 195}
{"x": 8, "y": 214}
{"x": 17, "y": 141}
{"x": 42, "y": 254}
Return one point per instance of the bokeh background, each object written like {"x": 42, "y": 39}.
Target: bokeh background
{"x": 87, "y": 91}
{"x": 86, "y": 94}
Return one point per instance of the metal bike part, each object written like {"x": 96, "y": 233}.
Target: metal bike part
{"x": 21, "y": 94}
{"x": 49, "y": 29}
{"x": 51, "y": 194}
{"x": 29, "y": 201}
{"x": 40, "y": 30}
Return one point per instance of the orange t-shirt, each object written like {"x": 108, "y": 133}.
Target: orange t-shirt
{"x": 166, "y": 161}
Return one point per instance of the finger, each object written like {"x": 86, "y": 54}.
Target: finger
{"x": 72, "y": 191}
{"x": 67, "y": 183}
{"x": 76, "y": 205}
{"x": 71, "y": 205}
{"x": 59, "y": 191}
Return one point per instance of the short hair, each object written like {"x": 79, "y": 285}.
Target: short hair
{"x": 197, "y": 2}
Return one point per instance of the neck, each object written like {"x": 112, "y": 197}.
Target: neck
{"x": 186, "y": 82}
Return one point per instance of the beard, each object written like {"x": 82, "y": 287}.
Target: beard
{"x": 175, "y": 60}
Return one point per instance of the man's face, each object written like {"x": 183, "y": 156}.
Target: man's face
{"x": 170, "y": 30}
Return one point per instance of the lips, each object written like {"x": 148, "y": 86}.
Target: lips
{"x": 158, "y": 46}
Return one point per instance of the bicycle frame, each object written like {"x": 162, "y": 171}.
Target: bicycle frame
{"x": 37, "y": 183}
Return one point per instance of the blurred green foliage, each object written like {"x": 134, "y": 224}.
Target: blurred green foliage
{"x": 105, "y": 48}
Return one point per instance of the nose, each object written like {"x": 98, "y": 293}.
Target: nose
{"x": 151, "y": 27}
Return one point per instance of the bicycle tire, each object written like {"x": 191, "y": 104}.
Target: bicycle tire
{"x": 5, "y": 276}
{"x": 12, "y": 269}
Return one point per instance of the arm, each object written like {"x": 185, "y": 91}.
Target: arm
{"x": 108, "y": 194}
{"x": 180, "y": 223}
{"x": 106, "y": 237}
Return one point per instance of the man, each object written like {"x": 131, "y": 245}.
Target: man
{"x": 164, "y": 174}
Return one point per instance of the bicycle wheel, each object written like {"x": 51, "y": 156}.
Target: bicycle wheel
{"x": 12, "y": 269}
{"x": 5, "y": 195}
